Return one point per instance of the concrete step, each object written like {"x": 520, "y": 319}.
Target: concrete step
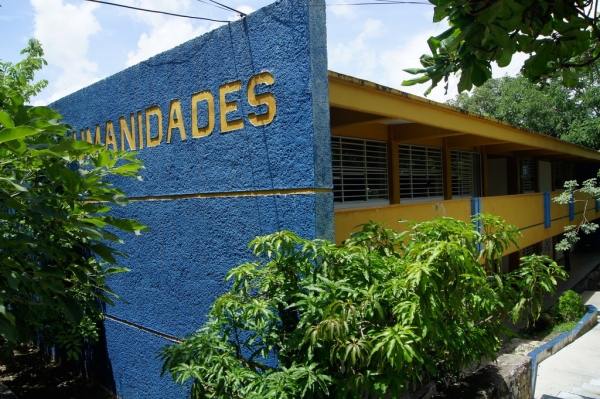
{"x": 593, "y": 388}
{"x": 567, "y": 395}
{"x": 595, "y": 382}
{"x": 585, "y": 393}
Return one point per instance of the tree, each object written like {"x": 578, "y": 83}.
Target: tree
{"x": 56, "y": 233}
{"x": 560, "y": 37}
{"x": 372, "y": 318}
{"x": 573, "y": 192}
{"x": 571, "y": 114}
{"x": 19, "y": 77}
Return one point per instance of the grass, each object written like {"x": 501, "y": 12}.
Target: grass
{"x": 563, "y": 327}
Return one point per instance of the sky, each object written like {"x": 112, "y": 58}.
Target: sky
{"x": 85, "y": 42}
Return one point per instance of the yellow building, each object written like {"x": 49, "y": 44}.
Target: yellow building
{"x": 398, "y": 156}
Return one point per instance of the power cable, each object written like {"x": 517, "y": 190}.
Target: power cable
{"x": 158, "y": 12}
{"x": 241, "y": 14}
{"x": 381, "y": 3}
{"x": 213, "y": 5}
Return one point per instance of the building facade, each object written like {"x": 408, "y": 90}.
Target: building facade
{"x": 398, "y": 156}
{"x": 244, "y": 132}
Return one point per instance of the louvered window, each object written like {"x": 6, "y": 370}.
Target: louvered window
{"x": 360, "y": 171}
{"x": 528, "y": 179}
{"x": 530, "y": 250}
{"x": 421, "y": 173}
{"x": 466, "y": 174}
{"x": 563, "y": 172}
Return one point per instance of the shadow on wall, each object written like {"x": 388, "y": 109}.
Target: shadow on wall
{"x": 93, "y": 363}
{"x": 96, "y": 362}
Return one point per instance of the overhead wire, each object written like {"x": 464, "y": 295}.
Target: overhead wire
{"x": 241, "y": 14}
{"x": 381, "y": 3}
{"x": 157, "y": 12}
{"x": 213, "y": 5}
{"x": 217, "y": 4}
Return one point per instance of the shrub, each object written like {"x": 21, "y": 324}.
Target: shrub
{"x": 57, "y": 240}
{"x": 371, "y": 318}
{"x": 570, "y": 306}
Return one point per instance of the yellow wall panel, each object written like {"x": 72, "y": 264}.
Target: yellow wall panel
{"x": 346, "y": 220}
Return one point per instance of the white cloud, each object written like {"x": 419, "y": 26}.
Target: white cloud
{"x": 357, "y": 56}
{"x": 163, "y": 32}
{"x": 244, "y": 9}
{"x": 65, "y": 30}
{"x": 161, "y": 37}
{"x": 341, "y": 9}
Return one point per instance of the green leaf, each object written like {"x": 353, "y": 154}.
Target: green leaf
{"x": 15, "y": 184}
{"x": 6, "y": 120}
{"x": 491, "y": 13}
{"x": 116, "y": 270}
{"x": 103, "y": 159}
{"x": 504, "y": 58}
{"x": 413, "y": 82}
{"x": 128, "y": 225}
{"x": 569, "y": 78}
{"x": 105, "y": 252}
{"x": 465, "y": 83}
{"x": 480, "y": 74}
{"x": 15, "y": 133}
{"x": 43, "y": 113}
{"x": 71, "y": 309}
{"x": 8, "y": 330}
{"x": 70, "y": 144}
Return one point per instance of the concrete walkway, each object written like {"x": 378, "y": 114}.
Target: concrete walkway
{"x": 579, "y": 362}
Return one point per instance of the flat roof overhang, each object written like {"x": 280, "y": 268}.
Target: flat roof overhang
{"x": 354, "y": 101}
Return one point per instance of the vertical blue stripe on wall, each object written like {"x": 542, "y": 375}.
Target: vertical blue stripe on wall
{"x": 572, "y": 209}
{"x": 547, "y": 215}
{"x": 475, "y": 211}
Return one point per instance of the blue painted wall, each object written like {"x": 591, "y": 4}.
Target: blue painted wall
{"x": 205, "y": 198}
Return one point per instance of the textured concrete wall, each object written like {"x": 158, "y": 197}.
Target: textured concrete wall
{"x": 206, "y": 197}
{"x": 508, "y": 378}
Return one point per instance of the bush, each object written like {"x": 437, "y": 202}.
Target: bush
{"x": 570, "y": 306}
{"x": 57, "y": 240}
{"x": 545, "y": 322}
{"x": 372, "y": 318}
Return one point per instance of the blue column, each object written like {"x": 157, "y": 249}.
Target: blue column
{"x": 572, "y": 209}
{"x": 547, "y": 218}
{"x": 476, "y": 210}
{"x": 597, "y": 201}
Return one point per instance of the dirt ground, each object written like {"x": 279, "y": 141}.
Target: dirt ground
{"x": 31, "y": 374}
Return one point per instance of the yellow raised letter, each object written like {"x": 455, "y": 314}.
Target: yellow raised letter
{"x": 110, "y": 136}
{"x": 97, "y": 138}
{"x": 267, "y": 99}
{"x": 126, "y": 132}
{"x": 210, "y": 103}
{"x": 226, "y": 107}
{"x": 140, "y": 129}
{"x": 153, "y": 141}
{"x": 175, "y": 121}
{"x": 86, "y": 135}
